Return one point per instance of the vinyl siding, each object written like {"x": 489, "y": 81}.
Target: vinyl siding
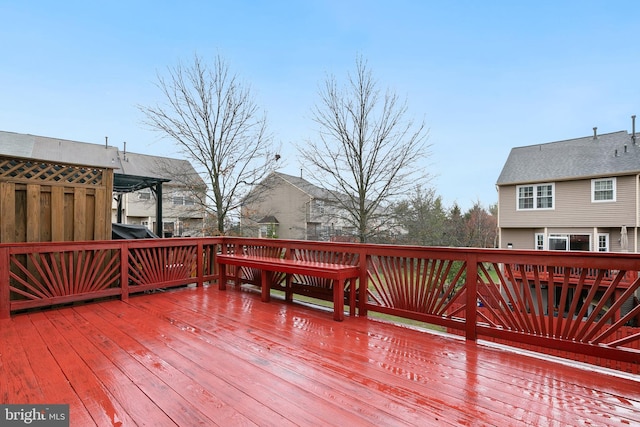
{"x": 519, "y": 238}
{"x": 284, "y": 201}
{"x": 573, "y": 207}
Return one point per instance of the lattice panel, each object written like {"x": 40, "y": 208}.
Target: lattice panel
{"x": 43, "y": 172}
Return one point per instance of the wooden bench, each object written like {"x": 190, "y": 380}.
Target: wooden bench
{"x": 339, "y": 273}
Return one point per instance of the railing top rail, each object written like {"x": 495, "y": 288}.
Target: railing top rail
{"x": 609, "y": 260}
{"x": 65, "y": 246}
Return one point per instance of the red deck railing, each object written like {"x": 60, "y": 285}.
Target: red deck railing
{"x": 578, "y": 305}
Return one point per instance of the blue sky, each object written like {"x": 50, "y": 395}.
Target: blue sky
{"x": 484, "y": 75}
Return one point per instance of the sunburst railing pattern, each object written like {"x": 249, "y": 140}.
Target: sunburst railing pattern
{"x": 422, "y": 285}
{"x": 52, "y": 277}
{"x": 581, "y": 305}
{"x": 149, "y": 266}
{"x": 326, "y": 256}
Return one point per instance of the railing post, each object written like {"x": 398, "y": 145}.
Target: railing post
{"x": 363, "y": 283}
{"x": 124, "y": 271}
{"x": 199, "y": 264}
{"x": 471, "y": 285}
{"x": 5, "y": 294}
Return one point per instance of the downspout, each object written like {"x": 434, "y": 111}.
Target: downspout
{"x": 635, "y": 225}
{"x": 498, "y": 219}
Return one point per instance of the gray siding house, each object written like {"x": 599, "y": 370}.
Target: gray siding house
{"x": 579, "y": 194}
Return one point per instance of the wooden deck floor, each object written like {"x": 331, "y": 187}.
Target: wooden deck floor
{"x": 198, "y": 356}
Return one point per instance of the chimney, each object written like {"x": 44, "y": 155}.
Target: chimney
{"x": 595, "y": 132}
{"x": 106, "y": 141}
{"x": 124, "y": 152}
{"x": 633, "y": 129}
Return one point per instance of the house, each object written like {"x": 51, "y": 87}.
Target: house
{"x": 579, "y": 194}
{"x": 290, "y": 207}
{"x": 138, "y": 180}
{"x": 182, "y": 195}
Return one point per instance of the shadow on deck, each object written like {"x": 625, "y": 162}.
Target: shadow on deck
{"x": 198, "y": 356}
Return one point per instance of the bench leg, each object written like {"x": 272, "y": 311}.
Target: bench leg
{"x": 266, "y": 291}
{"x": 352, "y": 297}
{"x": 236, "y": 277}
{"x": 222, "y": 272}
{"x": 338, "y": 300}
{"x": 288, "y": 291}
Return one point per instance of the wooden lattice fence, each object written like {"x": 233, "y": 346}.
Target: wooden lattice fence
{"x": 43, "y": 201}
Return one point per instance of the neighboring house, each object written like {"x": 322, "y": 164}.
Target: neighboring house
{"x": 290, "y": 207}
{"x": 182, "y": 212}
{"x": 135, "y": 176}
{"x": 579, "y": 194}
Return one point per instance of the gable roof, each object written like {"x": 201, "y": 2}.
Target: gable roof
{"x": 305, "y": 186}
{"x": 610, "y": 154}
{"x": 141, "y": 166}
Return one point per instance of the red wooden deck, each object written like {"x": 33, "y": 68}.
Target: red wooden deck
{"x": 198, "y": 356}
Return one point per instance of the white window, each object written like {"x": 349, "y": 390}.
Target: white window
{"x": 268, "y": 231}
{"x": 603, "y": 190}
{"x": 538, "y": 196}
{"x": 144, "y": 195}
{"x": 569, "y": 242}
{"x": 558, "y": 243}
{"x": 603, "y": 242}
{"x": 180, "y": 200}
{"x": 540, "y": 241}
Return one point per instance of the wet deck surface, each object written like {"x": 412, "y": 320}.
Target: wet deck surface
{"x": 204, "y": 357}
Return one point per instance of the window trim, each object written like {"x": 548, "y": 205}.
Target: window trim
{"x": 613, "y": 189}
{"x": 540, "y": 237}
{"x": 607, "y": 239}
{"x": 182, "y": 199}
{"x": 535, "y": 196}
{"x": 569, "y": 238}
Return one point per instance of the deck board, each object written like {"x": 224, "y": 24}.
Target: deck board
{"x": 199, "y": 356}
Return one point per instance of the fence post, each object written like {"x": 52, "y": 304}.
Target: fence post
{"x": 471, "y": 284}
{"x": 5, "y": 294}
{"x": 124, "y": 271}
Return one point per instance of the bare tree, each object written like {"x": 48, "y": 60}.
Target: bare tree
{"x": 480, "y": 227}
{"x": 213, "y": 118}
{"x": 368, "y": 151}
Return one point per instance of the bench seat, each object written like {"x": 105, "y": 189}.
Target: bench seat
{"x": 338, "y": 273}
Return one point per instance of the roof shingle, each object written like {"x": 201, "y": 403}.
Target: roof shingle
{"x": 610, "y": 154}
